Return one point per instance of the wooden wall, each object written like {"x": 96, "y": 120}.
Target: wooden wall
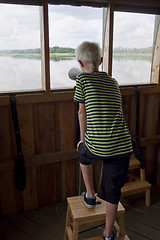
{"x": 48, "y": 129}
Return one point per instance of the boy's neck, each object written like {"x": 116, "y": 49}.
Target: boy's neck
{"x": 88, "y": 69}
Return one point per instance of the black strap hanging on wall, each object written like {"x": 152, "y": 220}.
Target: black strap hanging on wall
{"x": 77, "y": 128}
{"x": 20, "y": 173}
{"x": 137, "y": 144}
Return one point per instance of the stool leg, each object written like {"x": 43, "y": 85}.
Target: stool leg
{"x": 68, "y": 223}
{"x": 147, "y": 197}
{"x": 75, "y": 230}
{"x": 121, "y": 224}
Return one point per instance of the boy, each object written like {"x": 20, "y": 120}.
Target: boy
{"x": 104, "y": 134}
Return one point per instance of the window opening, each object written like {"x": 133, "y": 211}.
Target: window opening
{"x": 20, "y": 53}
{"x": 132, "y": 47}
{"x": 68, "y": 27}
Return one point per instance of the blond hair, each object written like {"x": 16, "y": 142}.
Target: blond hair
{"x": 89, "y": 53}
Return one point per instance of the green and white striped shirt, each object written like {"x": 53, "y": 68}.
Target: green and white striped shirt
{"x": 107, "y": 133}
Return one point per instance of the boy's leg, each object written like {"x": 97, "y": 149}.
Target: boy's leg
{"x": 88, "y": 179}
{"x": 111, "y": 210}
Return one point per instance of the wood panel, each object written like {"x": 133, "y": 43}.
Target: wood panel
{"x": 149, "y": 109}
{"x": 5, "y": 136}
{"x": 46, "y": 127}
{"x": 49, "y": 183}
{"x": 67, "y": 125}
{"x": 48, "y": 133}
{"x": 25, "y": 115}
{"x": 30, "y": 197}
{"x": 8, "y": 198}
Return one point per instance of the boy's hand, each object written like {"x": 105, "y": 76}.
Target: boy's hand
{"x": 79, "y": 144}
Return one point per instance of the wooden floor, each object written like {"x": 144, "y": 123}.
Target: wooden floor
{"x": 47, "y": 223}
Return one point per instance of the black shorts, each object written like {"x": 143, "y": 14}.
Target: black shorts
{"x": 114, "y": 173}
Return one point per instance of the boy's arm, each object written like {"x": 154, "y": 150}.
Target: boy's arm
{"x": 82, "y": 121}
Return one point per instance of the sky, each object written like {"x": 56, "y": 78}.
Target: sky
{"x": 69, "y": 26}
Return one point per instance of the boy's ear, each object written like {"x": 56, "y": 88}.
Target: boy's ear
{"x": 101, "y": 60}
{"x": 81, "y": 63}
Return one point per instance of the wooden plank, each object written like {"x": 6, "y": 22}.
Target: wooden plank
{"x": 36, "y": 128}
{"x": 5, "y": 135}
{"x": 133, "y": 235}
{"x": 152, "y": 122}
{"x": 48, "y": 225}
{"x": 25, "y": 116}
{"x": 149, "y": 89}
{"x": 135, "y": 187}
{"x": 46, "y": 128}
{"x": 9, "y": 232}
{"x": 30, "y": 192}
{"x": 8, "y": 203}
{"x": 45, "y": 97}
{"x": 143, "y": 115}
{"x": 132, "y": 116}
{"x": 146, "y": 231}
{"x": 30, "y": 227}
{"x": 82, "y": 214}
{"x": 143, "y": 218}
{"x": 150, "y": 154}
{"x": 4, "y": 101}
{"x": 57, "y": 126}
{"x": 134, "y": 163}
{"x": 49, "y": 184}
{"x": 67, "y": 125}
{"x": 158, "y": 168}
{"x": 58, "y": 182}
{"x": 42, "y": 159}
{"x": 132, "y": 2}
{"x": 71, "y": 178}
{"x": 150, "y": 140}
{"x": 125, "y": 107}
{"x": 149, "y": 128}
{"x": 127, "y": 91}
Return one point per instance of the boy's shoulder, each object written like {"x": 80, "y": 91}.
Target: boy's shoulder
{"x": 99, "y": 74}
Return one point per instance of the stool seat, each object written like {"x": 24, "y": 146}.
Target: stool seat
{"x": 81, "y": 213}
{"x": 79, "y": 216}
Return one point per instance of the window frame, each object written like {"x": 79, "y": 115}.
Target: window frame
{"x": 136, "y": 6}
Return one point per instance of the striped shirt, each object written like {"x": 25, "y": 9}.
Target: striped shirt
{"x": 107, "y": 133}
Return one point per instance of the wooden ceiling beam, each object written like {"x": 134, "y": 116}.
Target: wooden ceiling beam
{"x": 147, "y": 3}
{"x": 143, "y": 3}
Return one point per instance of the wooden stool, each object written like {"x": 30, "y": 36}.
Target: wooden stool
{"x": 78, "y": 215}
{"x": 137, "y": 185}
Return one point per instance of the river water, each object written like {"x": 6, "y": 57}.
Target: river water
{"x": 17, "y": 73}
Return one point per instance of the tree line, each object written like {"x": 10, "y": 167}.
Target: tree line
{"x": 57, "y": 49}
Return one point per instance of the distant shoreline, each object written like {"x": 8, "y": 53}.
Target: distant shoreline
{"x": 53, "y": 55}
{"x": 37, "y": 54}
{"x": 132, "y": 54}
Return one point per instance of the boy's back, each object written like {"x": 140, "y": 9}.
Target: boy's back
{"x": 107, "y": 133}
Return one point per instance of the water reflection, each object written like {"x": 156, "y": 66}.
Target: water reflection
{"x": 132, "y": 70}
{"x": 126, "y": 58}
{"x": 60, "y": 58}
{"x": 24, "y": 73}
